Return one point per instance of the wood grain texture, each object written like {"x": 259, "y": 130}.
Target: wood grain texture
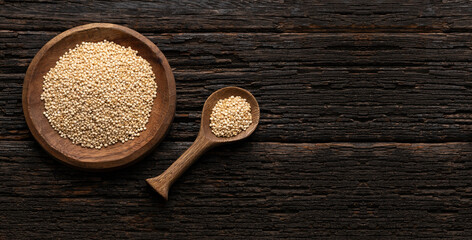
{"x": 365, "y": 128}
{"x": 244, "y": 16}
{"x": 266, "y": 190}
{"x": 342, "y": 87}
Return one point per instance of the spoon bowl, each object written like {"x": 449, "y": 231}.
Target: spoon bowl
{"x": 205, "y": 139}
{"x": 222, "y": 94}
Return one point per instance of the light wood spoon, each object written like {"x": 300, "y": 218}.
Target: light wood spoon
{"x": 205, "y": 139}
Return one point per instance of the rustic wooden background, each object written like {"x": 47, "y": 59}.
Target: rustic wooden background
{"x": 366, "y": 125}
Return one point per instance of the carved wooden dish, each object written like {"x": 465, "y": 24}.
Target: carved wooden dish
{"x": 119, "y": 154}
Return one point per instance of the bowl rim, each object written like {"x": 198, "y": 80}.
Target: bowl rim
{"x": 120, "y": 162}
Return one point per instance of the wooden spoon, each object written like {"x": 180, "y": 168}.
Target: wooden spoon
{"x": 205, "y": 139}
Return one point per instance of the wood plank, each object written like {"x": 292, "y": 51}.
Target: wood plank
{"x": 255, "y": 190}
{"x": 242, "y": 16}
{"x": 342, "y": 87}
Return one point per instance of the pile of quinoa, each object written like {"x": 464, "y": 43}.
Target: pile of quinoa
{"x": 230, "y": 116}
{"x": 99, "y": 94}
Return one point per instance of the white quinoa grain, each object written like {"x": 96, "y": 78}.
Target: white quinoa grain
{"x": 99, "y": 94}
{"x": 230, "y": 116}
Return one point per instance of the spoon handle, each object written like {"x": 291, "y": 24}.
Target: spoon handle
{"x": 163, "y": 182}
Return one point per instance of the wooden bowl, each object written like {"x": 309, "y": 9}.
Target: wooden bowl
{"x": 119, "y": 154}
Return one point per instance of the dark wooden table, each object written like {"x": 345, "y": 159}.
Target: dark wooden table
{"x": 366, "y": 125}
